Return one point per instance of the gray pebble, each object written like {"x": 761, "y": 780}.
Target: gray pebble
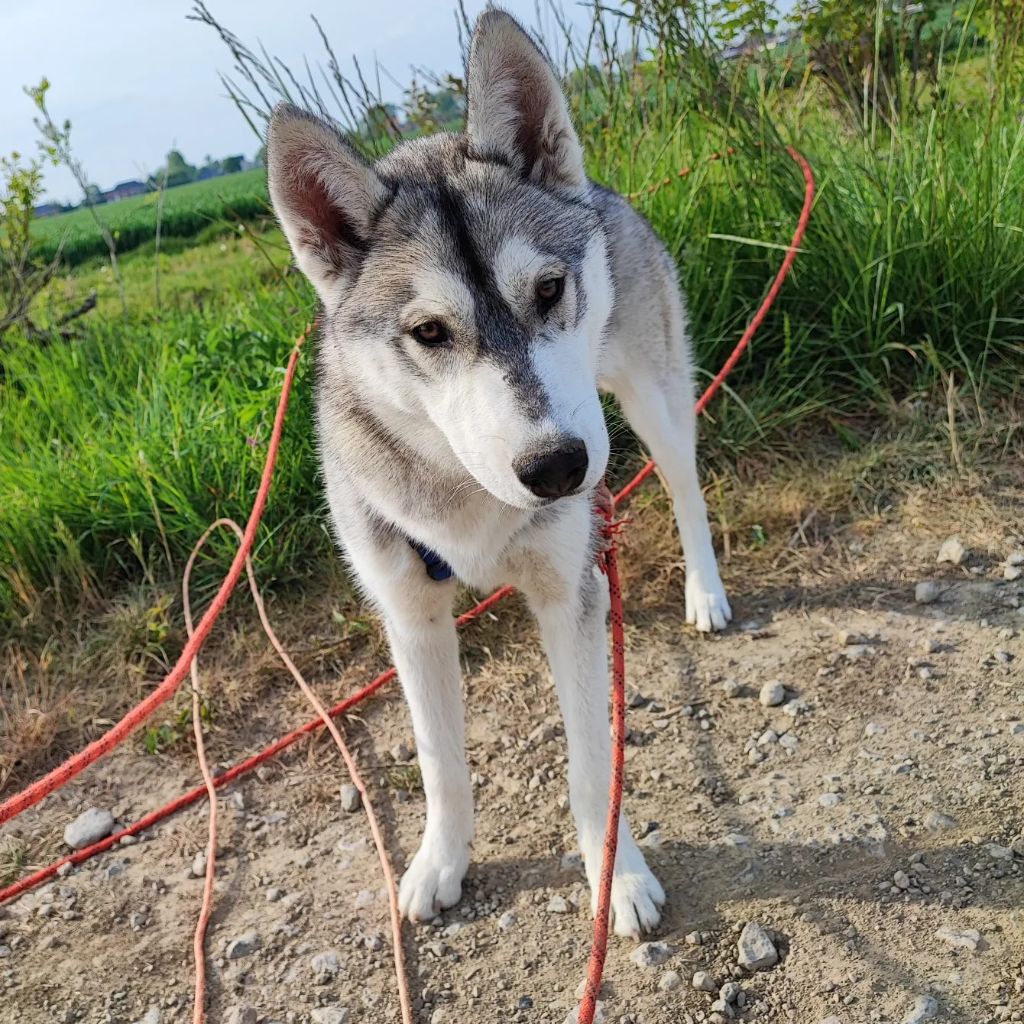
{"x": 240, "y": 1015}
{"x": 952, "y": 551}
{"x": 351, "y": 798}
{"x": 969, "y": 938}
{"x": 325, "y": 966}
{"x": 330, "y": 1015}
{"x": 670, "y": 981}
{"x": 651, "y": 954}
{"x": 558, "y": 905}
{"x": 772, "y": 694}
{"x": 730, "y": 991}
{"x": 89, "y": 827}
{"x": 755, "y": 948}
{"x": 924, "y": 1008}
{"x": 927, "y": 592}
{"x": 243, "y": 945}
{"x": 703, "y": 982}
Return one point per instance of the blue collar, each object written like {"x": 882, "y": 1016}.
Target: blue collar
{"x": 437, "y": 568}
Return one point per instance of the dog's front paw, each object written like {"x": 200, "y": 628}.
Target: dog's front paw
{"x": 637, "y": 896}
{"x": 707, "y": 607}
{"x": 433, "y": 881}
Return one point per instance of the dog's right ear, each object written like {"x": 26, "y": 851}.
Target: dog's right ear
{"x": 324, "y": 194}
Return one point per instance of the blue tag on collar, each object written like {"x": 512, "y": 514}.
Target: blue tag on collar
{"x": 437, "y": 568}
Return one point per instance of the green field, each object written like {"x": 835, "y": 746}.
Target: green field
{"x": 187, "y": 211}
{"x": 907, "y": 301}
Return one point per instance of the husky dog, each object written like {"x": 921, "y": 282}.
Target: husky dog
{"x": 478, "y": 291}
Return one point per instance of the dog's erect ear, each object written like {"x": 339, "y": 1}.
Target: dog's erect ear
{"x": 324, "y": 194}
{"x": 516, "y": 108}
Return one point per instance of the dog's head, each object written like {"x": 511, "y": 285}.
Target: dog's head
{"x": 464, "y": 278}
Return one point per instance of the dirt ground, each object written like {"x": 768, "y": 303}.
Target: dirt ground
{"x": 873, "y": 822}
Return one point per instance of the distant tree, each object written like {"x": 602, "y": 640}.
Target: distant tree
{"x": 231, "y": 164}
{"x": 94, "y": 195}
{"x": 179, "y": 171}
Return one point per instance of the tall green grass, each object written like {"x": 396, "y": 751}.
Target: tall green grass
{"x": 118, "y": 449}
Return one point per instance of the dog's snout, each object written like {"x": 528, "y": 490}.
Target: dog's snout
{"x": 555, "y": 473}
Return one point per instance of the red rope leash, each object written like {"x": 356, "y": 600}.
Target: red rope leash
{"x": 78, "y": 762}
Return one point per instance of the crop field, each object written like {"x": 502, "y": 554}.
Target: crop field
{"x": 187, "y": 211}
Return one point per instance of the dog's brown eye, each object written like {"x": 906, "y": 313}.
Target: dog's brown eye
{"x": 430, "y": 333}
{"x": 549, "y": 291}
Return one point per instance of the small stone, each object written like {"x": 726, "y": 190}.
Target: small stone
{"x": 670, "y": 981}
{"x": 325, "y": 966}
{"x": 874, "y": 729}
{"x": 1016, "y": 728}
{"x": 240, "y": 1015}
{"x": 694, "y": 939}
{"x": 830, "y": 799}
{"x": 936, "y": 821}
{"x": 651, "y": 954}
{"x": 732, "y": 688}
{"x": 198, "y": 868}
{"x": 330, "y": 1015}
{"x": 508, "y": 921}
{"x": 789, "y": 742}
{"x": 772, "y": 694}
{"x": 89, "y": 827}
{"x": 952, "y": 551}
{"x": 351, "y": 798}
{"x": 243, "y": 945}
{"x": 151, "y": 1016}
{"x": 1012, "y": 573}
{"x": 850, "y": 638}
{"x": 558, "y": 905}
{"x": 927, "y": 592}
{"x": 901, "y": 880}
{"x": 274, "y": 894}
{"x": 832, "y": 1020}
{"x": 924, "y": 1008}
{"x": 730, "y": 992}
{"x": 703, "y": 982}
{"x": 969, "y": 938}
{"x": 755, "y": 948}
{"x": 997, "y": 852}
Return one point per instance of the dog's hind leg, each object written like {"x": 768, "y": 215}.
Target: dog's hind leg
{"x": 417, "y": 614}
{"x": 661, "y": 413}
{"x": 570, "y": 600}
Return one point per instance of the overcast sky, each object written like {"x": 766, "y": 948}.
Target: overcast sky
{"x": 134, "y": 78}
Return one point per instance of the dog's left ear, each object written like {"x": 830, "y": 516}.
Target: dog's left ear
{"x": 516, "y": 108}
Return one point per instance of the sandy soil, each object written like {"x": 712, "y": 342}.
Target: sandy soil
{"x": 873, "y": 822}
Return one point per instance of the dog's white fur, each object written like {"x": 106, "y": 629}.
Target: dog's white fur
{"x": 434, "y": 458}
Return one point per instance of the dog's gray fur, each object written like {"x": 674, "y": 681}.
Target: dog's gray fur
{"x": 426, "y": 443}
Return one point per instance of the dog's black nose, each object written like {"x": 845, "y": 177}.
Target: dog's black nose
{"x": 554, "y": 474}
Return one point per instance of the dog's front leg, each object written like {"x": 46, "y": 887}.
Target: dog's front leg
{"x": 417, "y": 614}
{"x": 425, "y": 651}
{"x": 572, "y": 623}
